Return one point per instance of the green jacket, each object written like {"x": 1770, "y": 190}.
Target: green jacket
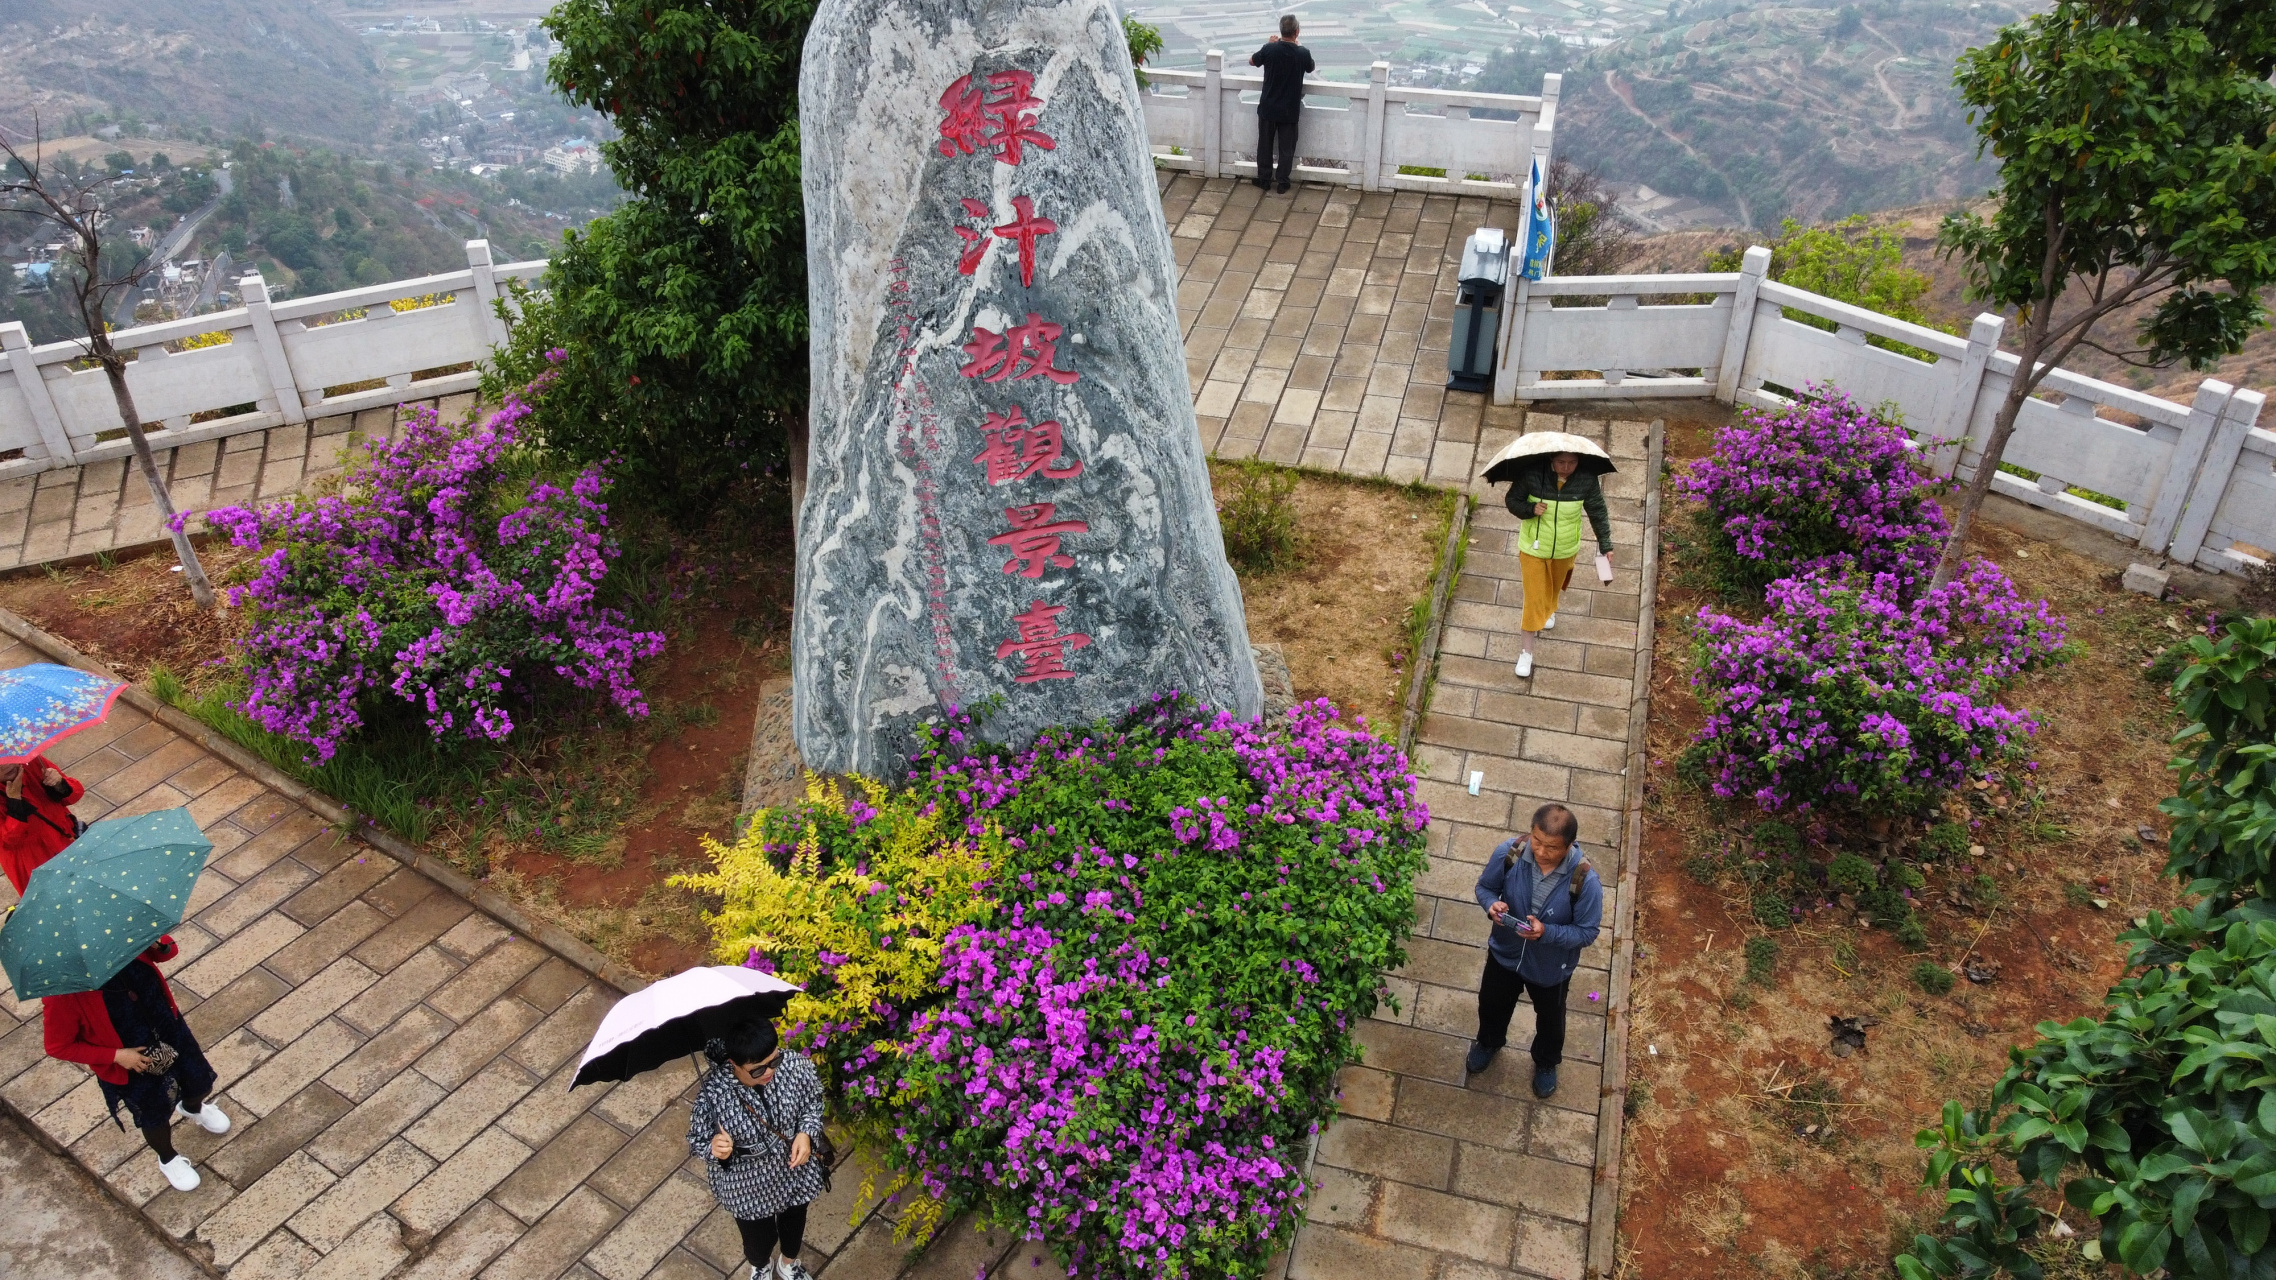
{"x": 1558, "y": 534}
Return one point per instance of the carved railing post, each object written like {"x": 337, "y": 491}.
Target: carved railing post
{"x": 255, "y": 291}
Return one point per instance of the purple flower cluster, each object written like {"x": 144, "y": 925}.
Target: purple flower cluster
{"x": 1192, "y": 912}
{"x": 434, "y": 577}
{"x": 1857, "y": 693}
{"x": 1822, "y": 484}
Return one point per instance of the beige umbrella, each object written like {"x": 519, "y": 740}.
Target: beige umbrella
{"x": 1539, "y": 444}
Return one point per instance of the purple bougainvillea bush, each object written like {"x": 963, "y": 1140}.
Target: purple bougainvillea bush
{"x": 1821, "y": 484}
{"x": 1129, "y": 1046}
{"x": 1856, "y": 694}
{"x": 440, "y": 576}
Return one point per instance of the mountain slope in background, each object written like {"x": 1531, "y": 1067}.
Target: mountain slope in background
{"x": 1756, "y": 113}
{"x": 278, "y": 64}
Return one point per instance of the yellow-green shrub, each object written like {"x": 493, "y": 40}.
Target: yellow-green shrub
{"x": 851, "y": 897}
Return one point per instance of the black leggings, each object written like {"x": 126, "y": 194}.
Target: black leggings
{"x": 161, "y": 1138}
{"x": 759, "y": 1235}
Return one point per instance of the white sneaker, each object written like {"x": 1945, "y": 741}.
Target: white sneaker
{"x": 209, "y": 1117}
{"x": 180, "y": 1173}
{"x": 790, "y": 1269}
{"x": 1524, "y": 664}
{"x": 1551, "y": 624}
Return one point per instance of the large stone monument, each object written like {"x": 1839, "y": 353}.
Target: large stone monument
{"x": 1006, "y": 496}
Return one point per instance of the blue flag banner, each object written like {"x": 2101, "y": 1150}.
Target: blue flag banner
{"x": 1540, "y": 228}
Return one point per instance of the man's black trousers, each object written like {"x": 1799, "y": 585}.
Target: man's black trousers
{"x": 1497, "y": 1000}
{"x": 1275, "y": 136}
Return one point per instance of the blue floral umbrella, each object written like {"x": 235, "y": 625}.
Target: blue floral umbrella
{"x": 42, "y": 704}
{"x": 95, "y": 906}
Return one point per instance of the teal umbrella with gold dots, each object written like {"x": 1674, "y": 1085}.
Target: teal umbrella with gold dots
{"x": 95, "y": 906}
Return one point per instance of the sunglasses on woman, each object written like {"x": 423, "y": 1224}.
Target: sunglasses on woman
{"x": 757, "y": 1073}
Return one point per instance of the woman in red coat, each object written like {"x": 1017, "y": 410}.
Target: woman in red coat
{"x": 143, "y": 1054}
{"x": 35, "y": 816}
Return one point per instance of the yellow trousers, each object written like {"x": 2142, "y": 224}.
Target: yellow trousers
{"x": 1545, "y": 581}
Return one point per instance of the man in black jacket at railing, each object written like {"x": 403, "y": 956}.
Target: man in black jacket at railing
{"x": 1285, "y": 64}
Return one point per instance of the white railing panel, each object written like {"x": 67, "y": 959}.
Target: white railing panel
{"x": 385, "y": 344}
{"x": 2247, "y": 511}
{"x": 169, "y": 388}
{"x": 1795, "y": 355}
{"x": 19, "y": 430}
{"x": 372, "y": 296}
{"x": 2088, "y": 452}
{"x": 1497, "y": 148}
{"x": 84, "y": 400}
{"x": 1678, "y": 337}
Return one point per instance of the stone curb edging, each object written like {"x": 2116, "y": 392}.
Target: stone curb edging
{"x": 1604, "y": 1206}
{"x": 485, "y": 899}
{"x": 1449, "y": 569}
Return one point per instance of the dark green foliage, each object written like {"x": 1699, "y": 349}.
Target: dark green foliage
{"x": 1258, "y": 517}
{"x": 685, "y": 309}
{"x": 1762, "y": 960}
{"x": 1932, "y": 977}
{"x": 2224, "y": 828}
{"x": 1144, "y": 41}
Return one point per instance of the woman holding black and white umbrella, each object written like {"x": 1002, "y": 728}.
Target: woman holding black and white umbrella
{"x": 758, "y": 1120}
{"x": 1552, "y": 478}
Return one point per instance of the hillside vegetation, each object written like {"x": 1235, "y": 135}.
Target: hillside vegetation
{"x": 1775, "y": 111}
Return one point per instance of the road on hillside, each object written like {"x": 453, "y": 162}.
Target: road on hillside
{"x": 173, "y": 242}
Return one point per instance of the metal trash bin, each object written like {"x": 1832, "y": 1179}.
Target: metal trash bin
{"x": 1477, "y": 310}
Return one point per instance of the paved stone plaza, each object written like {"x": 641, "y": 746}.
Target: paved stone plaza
{"x": 397, "y": 1062}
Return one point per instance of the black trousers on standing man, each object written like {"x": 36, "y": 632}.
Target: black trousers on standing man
{"x": 1498, "y": 991}
{"x": 1275, "y": 136}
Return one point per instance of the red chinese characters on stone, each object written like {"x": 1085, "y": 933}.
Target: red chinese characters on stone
{"x": 1033, "y": 539}
{"x": 1019, "y": 449}
{"x": 975, "y": 242}
{"x": 1022, "y": 351}
{"x": 996, "y": 115}
{"x": 1025, "y": 230}
{"x": 1041, "y": 646}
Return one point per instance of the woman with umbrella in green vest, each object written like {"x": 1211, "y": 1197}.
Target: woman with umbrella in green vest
{"x": 87, "y": 940}
{"x": 1552, "y": 478}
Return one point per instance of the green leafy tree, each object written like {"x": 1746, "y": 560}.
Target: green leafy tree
{"x": 684, "y": 310}
{"x": 1848, "y": 261}
{"x": 2137, "y": 168}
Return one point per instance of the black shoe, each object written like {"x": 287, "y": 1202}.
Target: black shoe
{"x": 1260, "y": 184}
{"x": 1544, "y": 1081}
{"x": 1283, "y": 188}
{"x": 1480, "y": 1058}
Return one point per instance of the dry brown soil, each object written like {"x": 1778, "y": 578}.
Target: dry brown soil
{"x": 679, "y": 776}
{"x": 1340, "y": 614}
{"x": 1753, "y": 1149}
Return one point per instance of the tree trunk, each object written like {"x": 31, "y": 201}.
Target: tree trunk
{"x": 115, "y": 369}
{"x": 1995, "y": 447}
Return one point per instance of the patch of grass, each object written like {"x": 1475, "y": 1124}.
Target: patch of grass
{"x": 1258, "y": 517}
{"x": 1932, "y": 977}
{"x": 1762, "y": 960}
{"x": 1944, "y": 842}
{"x": 1421, "y": 171}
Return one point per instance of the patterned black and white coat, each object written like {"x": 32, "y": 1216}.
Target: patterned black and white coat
{"x": 757, "y": 1181}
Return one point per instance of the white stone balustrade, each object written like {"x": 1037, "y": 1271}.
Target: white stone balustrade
{"x": 290, "y": 361}
{"x": 1203, "y": 121}
{"x": 2196, "y": 479}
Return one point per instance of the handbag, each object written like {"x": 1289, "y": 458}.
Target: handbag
{"x": 820, "y": 1150}
{"x": 162, "y": 1058}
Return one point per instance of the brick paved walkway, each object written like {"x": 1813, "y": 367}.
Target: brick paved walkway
{"x": 1433, "y": 1176}
{"x": 396, "y": 1063}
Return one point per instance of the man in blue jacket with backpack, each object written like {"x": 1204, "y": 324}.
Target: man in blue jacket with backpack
{"x": 1546, "y": 906}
